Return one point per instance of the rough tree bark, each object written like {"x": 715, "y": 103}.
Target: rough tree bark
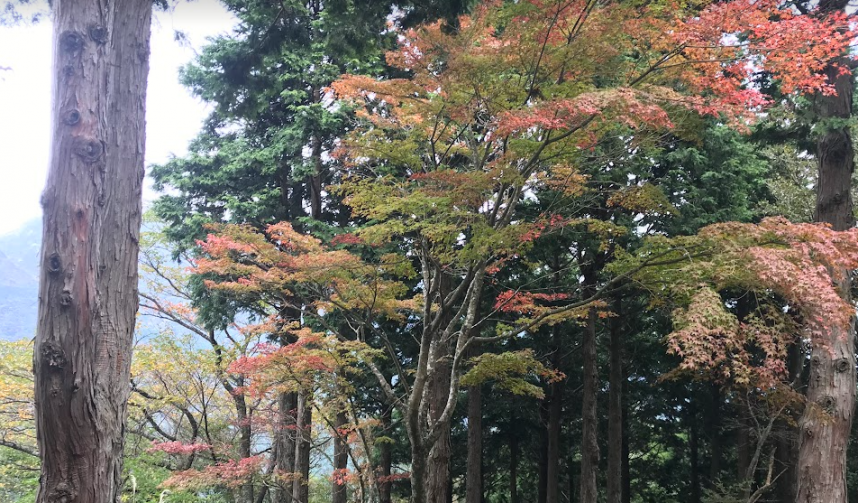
{"x": 339, "y": 493}
{"x": 713, "y": 426}
{"x": 301, "y": 485}
{"x": 439, "y": 455}
{"x": 555, "y": 419}
{"x": 542, "y": 477}
{"x": 627, "y": 475}
{"x": 615, "y": 409}
{"x": 474, "y": 483}
{"x": 245, "y": 492}
{"x": 88, "y": 281}
{"x": 590, "y": 423}
{"x": 826, "y": 423}
{"x": 287, "y": 405}
{"x": 693, "y": 452}
{"x": 786, "y": 448}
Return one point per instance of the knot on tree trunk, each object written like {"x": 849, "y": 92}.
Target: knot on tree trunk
{"x": 53, "y": 356}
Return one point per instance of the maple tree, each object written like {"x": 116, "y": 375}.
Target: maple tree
{"x": 502, "y": 106}
{"x": 788, "y": 278}
{"x": 239, "y": 382}
{"x": 505, "y": 105}
{"x": 483, "y": 230}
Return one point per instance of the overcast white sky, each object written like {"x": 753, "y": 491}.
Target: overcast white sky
{"x": 173, "y": 115}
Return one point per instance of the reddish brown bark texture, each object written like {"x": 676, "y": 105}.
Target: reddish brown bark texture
{"x": 827, "y": 419}
{"x": 88, "y": 283}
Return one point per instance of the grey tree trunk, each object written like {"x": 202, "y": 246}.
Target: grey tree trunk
{"x": 615, "y": 411}
{"x": 826, "y": 424}
{"x": 713, "y": 425}
{"x": 555, "y": 419}
{"x": 627, "y": 476}
{"x": 88, "y": 281}
{"x": 245, "y": 492}
{"x": 287, "y": 405}
{"x": 590, "y": 423}
{"x": 513, "y": 463}
{"x": 339, "y": 492}
{"x": 693, "y": 452}
{"x": 786, "y": 448}
{"x": 542, "y": 476}
{"x": 474, "y": 483}
{"x": 439, "y": 456}
{"x": 301, "y": 486}
{"x": 386, "y": 461}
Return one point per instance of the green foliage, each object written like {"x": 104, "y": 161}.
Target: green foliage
{"x": 514, "y": 372}
{"x": 19, "y": 476}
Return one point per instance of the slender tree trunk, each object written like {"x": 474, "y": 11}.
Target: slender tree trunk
{"x": 694, "y": 452}
{"x": 339, "y": 493}
{"x": 627, "y": 476}
{"x": 542, "y": 477}
{"x": 91, "y": 229}
{"x": 301, "y": 485}
{"x": 315, "y": 181}
{"x": 474, "y": 483}
{"x": 552, "y": 465}
{"x": 714, "y": 427}
{"x": 570, "y": 464}
{"x": 786, "y": 444}
{"x": 827, "y": 420}
{"x": 513, "y": 462}
{"x": 785, "y": 453}
{"x": 743, "y": 442}
{"x": 287, "y": 405}
{"x": 555, "y": 419}
{"x": 615, "y": 410}
{"x": 590, "y": 422}
{"x": 419, "y": 475}
{"x": 244, "y": 442}
{"x": 386, "y": 461}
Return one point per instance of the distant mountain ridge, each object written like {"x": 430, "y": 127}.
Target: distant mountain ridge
{"x": 19, "y": 286}
{"x": 19, "y": 281}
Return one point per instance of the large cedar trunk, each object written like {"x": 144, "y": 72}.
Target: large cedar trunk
{"x": 615, "y": 411}
{"x": 287, "y": 405}
{"x": 590, "y": 421}
{"x": 301, "y": 486}
{"x": 91, "y": 228}
{"x": 474, "y": 484}
{"x": 339, "y": 491}
{"x": 827, "y": 420}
